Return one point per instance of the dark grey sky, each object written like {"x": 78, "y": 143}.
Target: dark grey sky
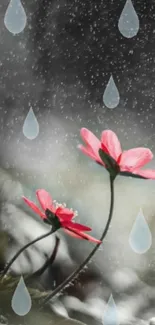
{"x": 60, "y": 65}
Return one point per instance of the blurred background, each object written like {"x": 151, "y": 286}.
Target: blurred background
{"x": 58, "y": 69}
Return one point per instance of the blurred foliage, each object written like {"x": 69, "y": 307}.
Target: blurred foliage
{"x": 37, "y": 315}
{"x": 3, "y": 246}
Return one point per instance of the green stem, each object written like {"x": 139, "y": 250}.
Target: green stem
{"x": 4, "y": 272}
{"x": 86, "y": 261}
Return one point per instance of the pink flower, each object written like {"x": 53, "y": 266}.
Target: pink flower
{"x": 58, "y": 216}
{"x": 127, "y": 162}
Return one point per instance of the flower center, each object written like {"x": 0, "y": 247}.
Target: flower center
{"x": 52, "y": 219}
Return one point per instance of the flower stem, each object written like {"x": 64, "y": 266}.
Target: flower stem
{"x": 4, "y": 272}
{"x": 48, "y": 263}
{"x": 78, "y": 270}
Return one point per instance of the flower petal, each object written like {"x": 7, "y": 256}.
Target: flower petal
{"x": 88, "y": 152}
{"x": 90, "y": 238}
{"x": 148, "y": 173}
{"x": 64, "y": 213}
{"x": 34, "y": 207}
{"x": 93, "y": 145}
{"x": 76, "y": 226}
{"x": 72, "y": 233}
{"x": 135, "y": 158}
{"x": 110, "y": 142}
{"x": 44, "y": 199}
{"x": 82, "y": 235}
{"x": 90, "y": 139}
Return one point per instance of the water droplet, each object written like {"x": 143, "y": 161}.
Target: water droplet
{"x": 31, "y": 126}
{"x": 15, "y": 17}
{"x": 110, "y": 316}
{"x": 128, "y": 24}
{"x": 111, "y": 96}
{"x": 140, "y": 238}
{"x": 21, "y": 301}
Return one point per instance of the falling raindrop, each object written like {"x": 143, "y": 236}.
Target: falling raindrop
{"x": 111, "y": 96}
{"x": 15, "y": 17}
{"x": 31, "y": 126}
{"x": 128, "y": 24}
{"x": 110, "y": 316}
{"x": 21, "y": 301}
{"x": 140, "y": 238}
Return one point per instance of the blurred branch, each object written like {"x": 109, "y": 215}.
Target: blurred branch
{"x": 48, "y": 263}
{"x": 9, "y": 283}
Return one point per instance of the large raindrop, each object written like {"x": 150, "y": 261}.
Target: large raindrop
{"x": 140, "y": 238}
{"x": 111, "y": 96}
{"x": 128, "y": 24}
{"x": 31, "y": 126}
{"x": 21, "y": 301}
{"x": 15, "y": 17}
